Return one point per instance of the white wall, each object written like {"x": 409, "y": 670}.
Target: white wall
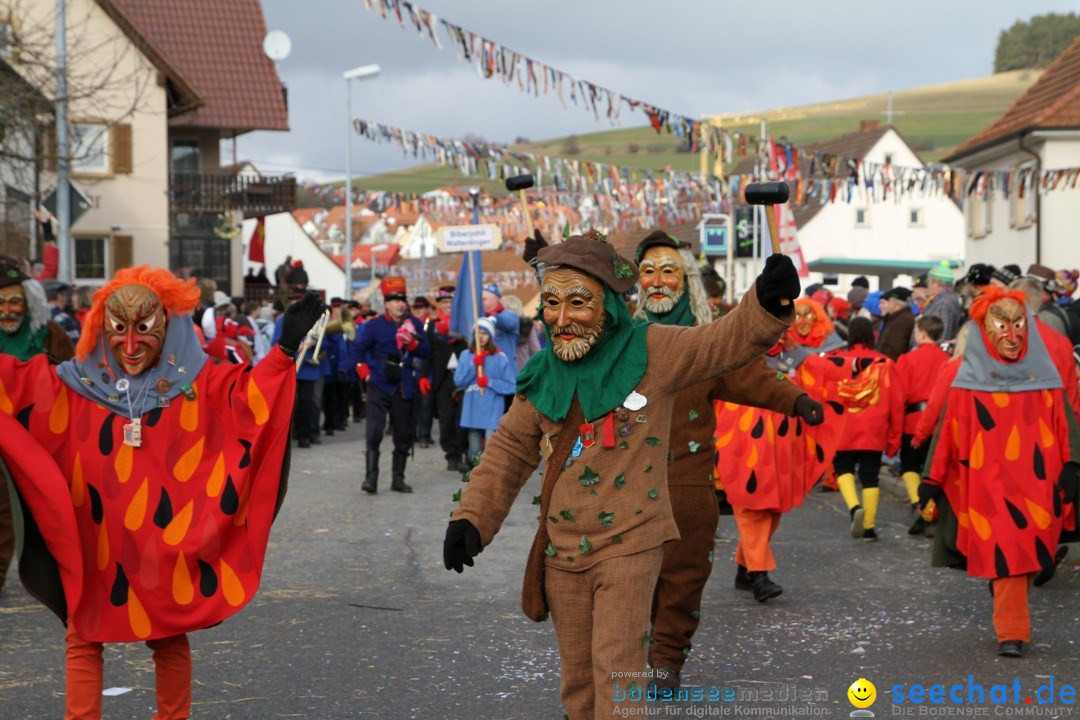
{"x": 285, "y": 236}
{"x": 1061, "y": 208}
{"x": 888, "y": 234}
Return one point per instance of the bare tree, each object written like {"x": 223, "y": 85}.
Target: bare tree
{"x": 107, "y": 80}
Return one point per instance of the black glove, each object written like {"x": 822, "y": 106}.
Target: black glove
{"x": 461, "y": 545}
{"x": 533, "y": 246}
{"x": 779, "y": 281}
{"x": 811, "y": 411}
{"x": 1069, "y": 481}
{"x": 723, "y": 504}
{"x": 928, "y": 491}
{"x": 298, "y": 320}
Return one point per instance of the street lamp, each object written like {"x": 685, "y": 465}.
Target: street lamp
{"x": 358, "y": 73}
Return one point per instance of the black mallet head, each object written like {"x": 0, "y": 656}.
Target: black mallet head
{"x": 520, "y": 182}
{"x": 767, "y": 193}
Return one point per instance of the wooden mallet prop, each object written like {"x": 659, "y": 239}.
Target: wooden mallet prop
{"x": 769, "y": 194}
{"x": 521, "y": 183}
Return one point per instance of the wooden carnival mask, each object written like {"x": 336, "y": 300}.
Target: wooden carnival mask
{"x": 663, "y": 279}
{"x": 1006, "y": 328}
{"x": 135, "y": 324}
{"x": 573, "y": 307}
{"x": 12, "y": 308}
{"x": 805, "y": 317}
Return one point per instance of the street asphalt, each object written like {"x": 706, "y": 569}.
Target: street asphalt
{"x": 357, "y": 618}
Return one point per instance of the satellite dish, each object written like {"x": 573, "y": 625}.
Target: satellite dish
{"x": 277, "y": 45}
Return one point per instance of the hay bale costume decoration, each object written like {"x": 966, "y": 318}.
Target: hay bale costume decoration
{"x": 149, "y": 477}
{"x": 597, "y": 404}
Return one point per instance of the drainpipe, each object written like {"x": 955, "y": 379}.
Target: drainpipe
{"x": 1038, "y": 199}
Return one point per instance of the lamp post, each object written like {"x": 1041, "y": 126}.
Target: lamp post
{"x": 358, "y": 73}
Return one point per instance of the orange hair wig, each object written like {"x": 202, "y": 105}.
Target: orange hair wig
{"x": 178, "y": 296}
{"x": 821, "y": 329}
{"x": 990, "y": 295}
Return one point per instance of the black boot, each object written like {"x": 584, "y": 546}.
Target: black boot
{"x": 397, "y": 475}
{"x": 371, "y": 477}
{"x": 453, "y": 464}
{"x": 742, "y": 579}
{"x": 763, "y": 588}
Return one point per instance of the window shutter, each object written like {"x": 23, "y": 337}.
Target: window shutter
{"x": 48, "y": 148}
{"x": 120, "y": 147}
{"x": 122, "y": 252}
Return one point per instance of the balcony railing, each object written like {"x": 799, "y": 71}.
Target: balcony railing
{"x": 196, "y": 192}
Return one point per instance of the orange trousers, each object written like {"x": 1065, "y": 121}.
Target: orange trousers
{"x": 1012, "y": 619}
{"x": 172, "y": 671}
{"x": 756, "y": 528}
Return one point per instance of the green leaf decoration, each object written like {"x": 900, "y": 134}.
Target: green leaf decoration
{"x": 456, "y": 496}
{"x": 606, "y": 518}
{"x": 633, "y": 685}
{"x": 654, "y": 493}
{"x": 624, "y": 445}
{"x": 711, "y": 555}
{"x": 536, "y": 499}
{"x": 617, "y": 539}
{"x": 566, "y": 514}
{"x": 588, "y": 477}
{"x": 694, "y": 446}
{"x": 686, "y": 651}
{"x": 648, "y": 468}
{"x": 693, "y": 415}
{"x": 465, "y": 476}
{"x": 553, "y": 519}
{"x": 550, "y": 551}
{"x": 620, "y": 480}
{"x": 653, "y": 440}
{"x": 584, "y": 546}
{"x": 593, "y": 493}
{"x": 566, "y": 230}
{"x": 646, "y": 639}
{"x": 670, "y": 458}
{"x": 638, "y": 511}
{"x": 570, "y": 558}
{"x": 696, "y": 614}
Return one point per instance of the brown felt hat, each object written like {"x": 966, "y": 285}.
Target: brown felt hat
{"x": 593, "y": 255}
{"x": 658, "y": 237}
{"x": 11, "y": 271}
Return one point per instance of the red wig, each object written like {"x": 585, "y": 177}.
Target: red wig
{"x": 178, "y": 296}
{"x": 990, "y": 295}
{"x": 821, "y": 329}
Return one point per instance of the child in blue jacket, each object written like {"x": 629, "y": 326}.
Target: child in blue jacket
{"x": 480, "y": 413}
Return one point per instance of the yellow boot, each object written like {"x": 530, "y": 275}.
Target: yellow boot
{"x": 846, "y": 483}
{"x": 870, "y": 501}
{"x": 911, "y": 482}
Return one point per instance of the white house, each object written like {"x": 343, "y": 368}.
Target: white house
{"x": 1039, "y": 132}
{"x": 285, "y": 237}
{"x": 883, "y": 239}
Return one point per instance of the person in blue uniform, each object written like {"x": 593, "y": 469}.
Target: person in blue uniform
{"x": 309, "y": 381}
{"x": 507, "y": 323}
{"x": 388, "y": 352}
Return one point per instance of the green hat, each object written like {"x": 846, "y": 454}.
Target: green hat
{"x": 942, "y": 272}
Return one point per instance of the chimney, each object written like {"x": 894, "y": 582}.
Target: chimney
{"x": 865, "y": 125}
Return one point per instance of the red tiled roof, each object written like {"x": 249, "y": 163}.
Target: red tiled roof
{"x": 218, "y": 48}
{"x": 304, "y": 215}
{"x": 1052, "y": 102}
{"x": 389, "y": 255}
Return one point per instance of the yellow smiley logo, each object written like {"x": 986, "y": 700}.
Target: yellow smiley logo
{"x": 862, "y": 693}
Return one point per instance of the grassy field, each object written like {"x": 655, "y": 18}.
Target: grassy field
{"x": 933, "y": 119}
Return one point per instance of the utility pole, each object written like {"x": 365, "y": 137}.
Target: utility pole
{"x": 63, "y": 155}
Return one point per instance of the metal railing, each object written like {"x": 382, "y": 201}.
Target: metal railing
{"x": 221, "y": 191}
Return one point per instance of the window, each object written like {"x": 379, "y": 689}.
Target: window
{"x": 185, "y": 156}
{"x": 888, "y": 158}
{"x": 979, "y": 211}
{"x": 1022, "y": 207}
{"x": 90, "y": 255}
{"x": 915, "y": 217}
{"x": 89, "y": 148}
{"x": 862, "y": 217}
{"x": 7, "y": 37}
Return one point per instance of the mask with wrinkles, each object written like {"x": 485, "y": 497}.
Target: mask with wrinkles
{"x": 12, "y": 308}
{"x": 573, "y": 308}
{"x": 663, "y": 279}
{"x": 135, "y": 324}
{"x": 1006, "y": 328}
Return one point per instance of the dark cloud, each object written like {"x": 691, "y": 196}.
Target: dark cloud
{"x": 692, "y": 57}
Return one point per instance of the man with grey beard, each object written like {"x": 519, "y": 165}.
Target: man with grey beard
{"x": 671, "y": 292}
{"x": 25, "y": 331}
{"x": 597, "y": 405}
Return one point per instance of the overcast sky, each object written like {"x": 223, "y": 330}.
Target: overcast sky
{"x": 688, "y": 56}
